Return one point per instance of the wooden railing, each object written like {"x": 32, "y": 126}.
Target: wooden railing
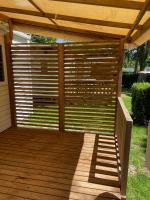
{"x": 123, "y": 134}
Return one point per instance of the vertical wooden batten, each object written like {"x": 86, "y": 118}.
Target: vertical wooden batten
{"x": 8, "y": 41}
{"x": 119, "y": 78}
{"x": 61, "y": 87}
{"x": 120, "y": 67}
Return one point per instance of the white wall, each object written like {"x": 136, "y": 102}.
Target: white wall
{"x": 20, "y": 37}
{"x": 5, "y": 117}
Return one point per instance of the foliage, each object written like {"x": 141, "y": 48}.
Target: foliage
{"x": 129, "y": 60}
{"x": 142, "y": 54}
{"x": 42, "y": 39}
{"x": 128, "y": 79}
{"x": 138, "y": 58}
{"x": 141, "y": 102}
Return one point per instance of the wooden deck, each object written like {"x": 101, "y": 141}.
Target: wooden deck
{"x": 37, "y": 165}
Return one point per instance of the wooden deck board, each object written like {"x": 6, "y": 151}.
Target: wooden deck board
{"x": 37, "y": 165}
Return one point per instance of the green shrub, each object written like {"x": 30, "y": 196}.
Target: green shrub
{"x": 128, "y": 79}
{"x": 141, "y": 102}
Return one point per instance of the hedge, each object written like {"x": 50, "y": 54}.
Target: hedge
{"x": 141, "y": 102}
{"x": 128, "y": 79}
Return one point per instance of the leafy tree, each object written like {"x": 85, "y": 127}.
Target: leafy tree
{"x": 42, "y": 39}
{"x": 142, "y": 54}
{"x": 138, "y": 57}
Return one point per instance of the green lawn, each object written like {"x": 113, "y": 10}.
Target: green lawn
{"x": 138, "y": 180}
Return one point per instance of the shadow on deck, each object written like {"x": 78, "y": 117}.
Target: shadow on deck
{"x": 38, "y": 165}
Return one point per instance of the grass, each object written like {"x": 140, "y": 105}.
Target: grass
{"x": 77, "y": 117}
{"x": 139, "y": 179}
{"x": 127, "y": 101}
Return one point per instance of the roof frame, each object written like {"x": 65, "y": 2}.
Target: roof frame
{"x": 139, "y": 33}
{"x": 138, "y": 19}
{"x": 41, "y": 11}
{"x": 71, "y": 18}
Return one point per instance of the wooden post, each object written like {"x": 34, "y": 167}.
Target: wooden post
{"x": 8, "y": 41}
{"x": 61, "y": 87}
{"x": 147, "y": 164}
{"x": 123, "y": 130}
{"x": 121, "y": 55}
{"x": 125, "y": 164}
{"x": 119, "y": 79}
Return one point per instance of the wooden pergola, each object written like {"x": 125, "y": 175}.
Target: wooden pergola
{"x": 69, "y": 137}
{"x": 81, "y": 20}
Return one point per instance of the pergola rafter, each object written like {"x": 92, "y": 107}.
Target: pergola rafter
{"x": 139, "y": 33}
{"x": 41, "y": 11}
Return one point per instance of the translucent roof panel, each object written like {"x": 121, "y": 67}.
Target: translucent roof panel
{"x": 90, "y": 27}
{"x": 88, "y": 11}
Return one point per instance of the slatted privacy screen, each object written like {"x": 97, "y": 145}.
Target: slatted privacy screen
{"x": 74, "y": 85}
{"x": 91, "y": 81}
{"x": 35, "y": 70}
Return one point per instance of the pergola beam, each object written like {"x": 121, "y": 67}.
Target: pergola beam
{"x": 138, "y": 19}
{"x": 3, "y": 17}
{"x": 50, "y": 27}
{"x": 71, "y": 18}
{"x": 135, "y": 5}
{"x": 139, "y": 33}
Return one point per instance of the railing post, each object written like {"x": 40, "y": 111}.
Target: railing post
{"x": 61, "y": 87}
{"x": 125, "y": 162}
{"x": 123, "y": 131}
